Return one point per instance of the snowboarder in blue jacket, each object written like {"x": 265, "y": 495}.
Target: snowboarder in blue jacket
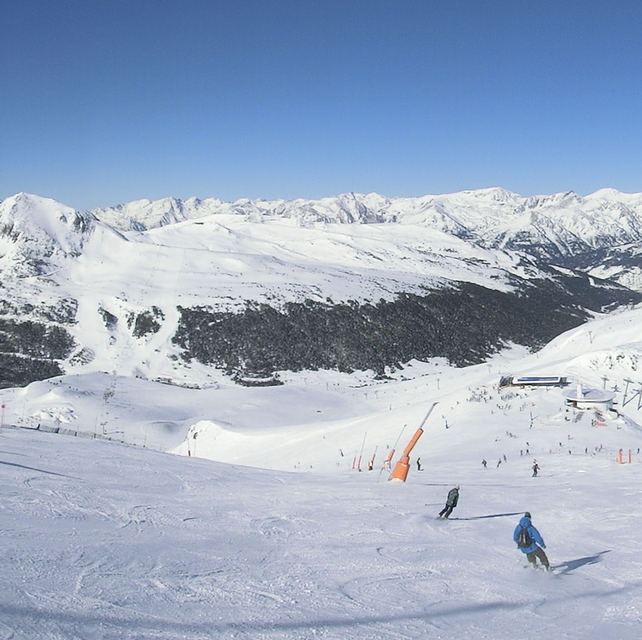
{"x": 535, "y": 549}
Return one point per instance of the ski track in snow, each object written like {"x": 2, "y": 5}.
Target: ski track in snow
{"x": 123, "y": 547}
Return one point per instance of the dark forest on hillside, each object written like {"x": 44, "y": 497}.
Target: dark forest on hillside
{"x": 464, "y": 324}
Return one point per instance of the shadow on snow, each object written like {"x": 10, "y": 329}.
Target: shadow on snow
{"x": 142, "y": 622}
{"x": 571, "y": 565}
{"x": 494, "y": 515}
{"x": 22, "y": 466}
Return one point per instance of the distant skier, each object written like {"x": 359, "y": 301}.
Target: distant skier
{"x": 451, "y": 502}
{"x": 530, "y": 542}
{"x": 535, "y": 470}
{"x": 484, "y": 463}
{"x": 418, "y": 464}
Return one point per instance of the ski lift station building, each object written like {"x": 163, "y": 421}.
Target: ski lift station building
{"x": 532, "y": 381}
{"x": 583, "y": 398}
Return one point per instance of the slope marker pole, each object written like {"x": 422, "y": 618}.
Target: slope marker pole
{"x": 363, "y": 444}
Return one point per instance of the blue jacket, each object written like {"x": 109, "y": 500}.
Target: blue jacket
{"x": 538, "y": 541}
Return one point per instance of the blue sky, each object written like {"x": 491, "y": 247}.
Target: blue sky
{"x": 103, "y": 102}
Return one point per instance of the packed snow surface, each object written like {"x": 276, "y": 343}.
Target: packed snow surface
{"x": 264, "y": 527}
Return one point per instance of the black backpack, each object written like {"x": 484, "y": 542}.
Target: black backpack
{"x": 524, "y": 538}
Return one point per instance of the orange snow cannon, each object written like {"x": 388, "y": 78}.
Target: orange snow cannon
{"x": 401, "y": 468}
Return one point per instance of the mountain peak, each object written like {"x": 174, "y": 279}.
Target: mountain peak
{"x": 33, "y": 227}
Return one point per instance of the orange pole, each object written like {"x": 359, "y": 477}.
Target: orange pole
{"x": 413, "y": 442}
{"x": 619, "y": 456}
{"x": 402, "y": 467}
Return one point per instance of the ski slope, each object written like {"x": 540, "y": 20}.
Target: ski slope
{"x": 264, "y": 529}
{"x": 102, "y": 540}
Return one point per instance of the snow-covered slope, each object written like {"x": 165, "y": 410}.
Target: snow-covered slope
{"x": 227, "y": 259}
{"x": 35, "y": 232}
{"x": 564, "y": 228}
{"x": 603, "y": 354}
{"x": 103, "y": 540}
{"x": 318, "y": 420}
{"x": 561, "y": 224}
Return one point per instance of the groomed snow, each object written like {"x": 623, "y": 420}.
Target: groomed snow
{"x": 280, "y": 537}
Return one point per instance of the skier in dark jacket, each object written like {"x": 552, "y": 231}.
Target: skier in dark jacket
{"x": 536, "y": 548}
{"x": 451, "y": 502}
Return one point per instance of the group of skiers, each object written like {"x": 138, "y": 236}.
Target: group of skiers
{"x": 526, "y": 536}
{"x": 535, "y": 466}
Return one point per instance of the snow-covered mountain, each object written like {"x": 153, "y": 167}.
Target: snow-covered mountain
{"x": 564, "y": 228}
{"x": 187, "y": 290}
{"x": 37, "y": 232}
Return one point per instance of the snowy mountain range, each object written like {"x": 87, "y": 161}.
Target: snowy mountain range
{"x": 191, "y": 290}
{"x": 268, "y": 523}
{"x": 564, "y": 228}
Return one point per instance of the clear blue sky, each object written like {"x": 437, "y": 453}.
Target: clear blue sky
{"x": 107, "y": 101}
